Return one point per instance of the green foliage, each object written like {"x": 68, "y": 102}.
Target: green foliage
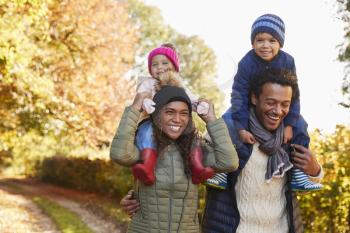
{"x": 114, "y": 211}
{"x": 62, "y": 72}
{"x": 199, "y": 69}
{"x": 24, "y": 89}
{"x": 66, "y": 221}
{"x": 35, "y": 147}
{"x": 97, "y": 175}
{"x": 344, "y": 55}
{"x": 151, "y": 32}
{"x": 328, "y": 210}
{"x": 62, "y": 84}
{"x": 91, "y": 56}
{"x": 198, "y": 61}
{"x": 31, "y": 148}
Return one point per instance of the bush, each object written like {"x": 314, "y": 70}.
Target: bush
{"x": 98, "y": 175}
{"x": 328, "y": 210}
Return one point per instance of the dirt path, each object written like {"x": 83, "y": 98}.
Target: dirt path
{"x": 22, "y": 190}
{"x": 20, "y": 215}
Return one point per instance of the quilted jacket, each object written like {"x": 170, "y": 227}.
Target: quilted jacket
{"x": 171, "y": 203}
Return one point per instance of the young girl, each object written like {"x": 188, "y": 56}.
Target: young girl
{"x": 170, "y": 203}
{"x": 163, "y": 66}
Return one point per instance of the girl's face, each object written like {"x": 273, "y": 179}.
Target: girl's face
{"x": 174, "y": 118}
{"x": 160, "y": 64}
{"x": 266, "y": 46}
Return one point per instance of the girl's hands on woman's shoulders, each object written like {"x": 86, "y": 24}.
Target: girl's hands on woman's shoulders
{"x": 210, "y": 116}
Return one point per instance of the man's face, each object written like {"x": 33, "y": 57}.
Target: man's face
{"x": 174, "y": 118}
{"x": 272, "y": 105}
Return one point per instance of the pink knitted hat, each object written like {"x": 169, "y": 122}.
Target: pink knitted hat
{"x": 166, "y": 51}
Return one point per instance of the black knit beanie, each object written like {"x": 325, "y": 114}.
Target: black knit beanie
{"x": 169, "y": 94}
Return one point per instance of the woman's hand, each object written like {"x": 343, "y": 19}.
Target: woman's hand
{"x": 129, "y": 204}
{"x": 138, "y": 100}
{"x": 210, "y": 115}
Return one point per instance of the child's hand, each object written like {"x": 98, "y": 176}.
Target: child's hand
{"x": 287, "y": 134}
{"x": 146, "y": 84}
{"x": 148, "y": 105}
{"x": 138, "y": 100}
{"x": 246, "y": 136}
{"x": 202, "y": 108}
{"x": 209, "y": 115}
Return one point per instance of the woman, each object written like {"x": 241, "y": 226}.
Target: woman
{"x": 170, "y": 203}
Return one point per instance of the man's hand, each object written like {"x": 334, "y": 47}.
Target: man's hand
{"x": 129, "y": 204}
{"x": 304, "y": 159}
{"x": 287, "y": 134}
{"x": 246, "y": 136}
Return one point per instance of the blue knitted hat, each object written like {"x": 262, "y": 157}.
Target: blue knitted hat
{"x": 271, "y": 24}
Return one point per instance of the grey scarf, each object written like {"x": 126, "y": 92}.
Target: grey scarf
{"x": 270, "y": 143}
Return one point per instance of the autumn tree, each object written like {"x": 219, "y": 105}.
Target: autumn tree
{"x": 92, "y": 47}
{"x": 25, "y": 88}
{"x": 198, "y": 61}
{"x": 328, "y": 210}
{"x": 344, "y": 55}
{"x": 62, "y": 65}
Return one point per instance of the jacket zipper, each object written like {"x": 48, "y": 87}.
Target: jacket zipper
{"x": 140, "y": 201}
{"x": 171, "y": 192}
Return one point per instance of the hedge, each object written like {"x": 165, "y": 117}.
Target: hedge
{"x": 97, "y": 175}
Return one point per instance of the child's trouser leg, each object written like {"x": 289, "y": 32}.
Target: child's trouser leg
{"x": 218, "y": 181}
{"x": 144, "y": 170}
{"x": 198, "y": 171}
{"x": 301, "y": 181}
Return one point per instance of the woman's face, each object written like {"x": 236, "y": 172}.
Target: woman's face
{"x": 174, "y": 118}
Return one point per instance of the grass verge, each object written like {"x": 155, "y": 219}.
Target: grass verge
{"x": 115, "y": 212}
{"x": 66, "y": 221}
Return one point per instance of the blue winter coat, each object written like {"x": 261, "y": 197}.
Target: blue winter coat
{"x": 249, "y": 66}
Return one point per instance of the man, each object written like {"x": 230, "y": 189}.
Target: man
{"x": 252, "y": 203}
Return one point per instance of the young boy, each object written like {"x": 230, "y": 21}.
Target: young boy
{"x": 267, "y": 38}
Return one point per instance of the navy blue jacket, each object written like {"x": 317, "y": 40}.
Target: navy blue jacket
{"x": 221, "y": 213}
{"x": 249, "y": 66}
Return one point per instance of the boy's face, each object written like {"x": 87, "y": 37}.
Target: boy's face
{"x": 160, "y": 64}
{"x": 266, "y": 46}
